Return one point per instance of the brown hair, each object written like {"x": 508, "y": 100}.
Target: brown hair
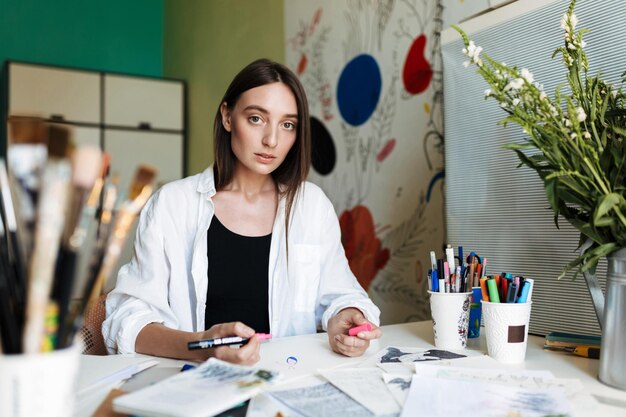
{"x": 295, "y": 168}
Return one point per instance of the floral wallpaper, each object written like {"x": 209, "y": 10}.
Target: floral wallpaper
{"x": 373, "y": 75}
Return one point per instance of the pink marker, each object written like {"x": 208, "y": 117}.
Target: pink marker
{"x": 362, "y": 328}
{"x": 263, "y": 336}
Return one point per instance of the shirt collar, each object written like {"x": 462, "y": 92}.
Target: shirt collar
{"x": 206, "y": 183}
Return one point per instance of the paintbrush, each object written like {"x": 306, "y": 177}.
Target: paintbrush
{"x": 9, "y": 331}
{"x": 138, "y": 193}
{"x": 26, "y": 157}
{"x": 86, "y": 162}
{"x": 16, "y": 274}
{"x": 51, "y": 210}
{"x": 88, "y": 264}
{"x": 105, "y": 226}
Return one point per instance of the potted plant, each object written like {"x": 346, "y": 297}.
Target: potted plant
{"x": 576, "y": 143}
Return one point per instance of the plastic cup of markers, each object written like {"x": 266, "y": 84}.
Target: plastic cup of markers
{"x": 506, "y": 330}
{"x": 475, "y": 313}
{"x": 450, "y": 313}
{"x": 41, "y": 384}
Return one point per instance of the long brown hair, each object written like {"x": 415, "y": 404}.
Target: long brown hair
{"x": 295, "y": 168}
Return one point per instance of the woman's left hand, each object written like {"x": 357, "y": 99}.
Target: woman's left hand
{"x": 339, "y": 339}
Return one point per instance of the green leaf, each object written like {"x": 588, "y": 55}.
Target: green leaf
{"x": 551, "y": 188}
{"x": 605, "y": 204}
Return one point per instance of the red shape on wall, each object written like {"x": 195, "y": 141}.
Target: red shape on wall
{"x": 386, "y": 150}
{"x": 302, "y": 64}
{"x": 417, "y": 73}
{"x": 365, "y": 254}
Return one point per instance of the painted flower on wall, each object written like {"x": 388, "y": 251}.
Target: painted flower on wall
{"x": 365, "y": 254}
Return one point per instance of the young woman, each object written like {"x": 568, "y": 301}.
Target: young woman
{"x": 246, "y": 241}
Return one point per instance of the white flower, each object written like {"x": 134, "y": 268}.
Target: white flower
{"x": 570, "y": 46}
{"x": 567, "y": 122}
{"x": 487, "y": 92}
{"x": 564, "y": 23}
{"x": 587, "y": 135}
{"x": 580, "y": 114}
{"x": 614, "y": 93}
{"x": 573, "y": 136}
{"x": 515, "y": 84}
{"x": 466, "y": 64}
{"x": 515, "y": 101}
{"x": 473, "y": 51}
{"x": 527, "y": 75}
{"x": 573, "y": 20}
{"x": 542, "y": 95}
{"x": 583, "y": 43}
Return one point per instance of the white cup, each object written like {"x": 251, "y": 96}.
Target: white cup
{"x": 506, "y": 330}
{"x": 450, "y": 313}
{"x": 40, "y": 384}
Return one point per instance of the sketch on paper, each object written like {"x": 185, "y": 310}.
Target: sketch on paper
{"x": 487, "y": 400}
{"x": 408, "y": 355}
{"x": 398, "y": 385}
{"x": 323, "y": 400}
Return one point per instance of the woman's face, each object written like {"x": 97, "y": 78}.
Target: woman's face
{"x": 262, "y": 126}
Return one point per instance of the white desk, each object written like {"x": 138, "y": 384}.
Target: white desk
{"x": 313, "y": 352}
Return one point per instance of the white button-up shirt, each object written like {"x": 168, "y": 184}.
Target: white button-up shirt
{"x": 166, "y": 279}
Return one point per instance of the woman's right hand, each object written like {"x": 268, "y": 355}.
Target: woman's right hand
{"x": 247, "y": 354}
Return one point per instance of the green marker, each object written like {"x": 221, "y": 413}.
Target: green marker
{"x": 493, "y": 290}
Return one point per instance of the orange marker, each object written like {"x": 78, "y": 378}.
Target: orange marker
{"x": 483, "y": 289}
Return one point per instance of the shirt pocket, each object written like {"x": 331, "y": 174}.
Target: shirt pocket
{"x": 305, "y": 276}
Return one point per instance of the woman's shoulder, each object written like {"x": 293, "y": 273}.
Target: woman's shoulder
{"x": 176, "y": 195}
{"x": 312, "y": 197}
{"x": 198, "y": 183}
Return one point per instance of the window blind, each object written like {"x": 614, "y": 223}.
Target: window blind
{"x": 492, "y": 207}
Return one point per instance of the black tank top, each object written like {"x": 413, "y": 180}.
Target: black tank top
{"x": 238, "y": 278}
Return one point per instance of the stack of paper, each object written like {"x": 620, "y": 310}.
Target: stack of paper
{"x": 206, "y": 390}
{"x": 432, "y": 383}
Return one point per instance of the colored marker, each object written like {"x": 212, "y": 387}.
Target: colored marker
{"x": 527, "y": 291}
{"x": 435, "y": 278}
{"x": 224, "y": 341}
{"x": 493, "y": 291}
{"x": 362, "y": 328}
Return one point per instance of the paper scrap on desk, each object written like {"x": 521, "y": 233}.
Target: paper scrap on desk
{"x": 208, "y": 389}
{"x": 438, "y": 397}
{"x": 366, "y": 386}
{"x": 264, "y": 405}
{"x": 393, "y": 359}
{"x": 398, "y": 385}
{"x": 323, "y": 400}
{"x": 117, "y": 376}
{"x": 580, "y": 400}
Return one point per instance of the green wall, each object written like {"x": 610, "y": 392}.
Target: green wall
{"x": 207, "y": 42}
{"x": 113, "y": 35}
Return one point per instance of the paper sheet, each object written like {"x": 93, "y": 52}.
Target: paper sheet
{"x": 366, "y": 386}
{"x": 395, "y": 359}
{"x": 323, "y": 400}
{"x": 581, "y": 401}
{"x": 439, "y": 397}
{"x": 398, "y": 385}
{"x": 297, "y": 357}
{"x": 210, "y": 388}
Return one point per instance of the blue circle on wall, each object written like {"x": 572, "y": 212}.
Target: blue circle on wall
{"x": 358, "y": 89}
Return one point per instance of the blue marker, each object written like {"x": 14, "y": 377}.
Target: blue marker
{"x": 527, "y": 289}
{"x": 435, "y": 281}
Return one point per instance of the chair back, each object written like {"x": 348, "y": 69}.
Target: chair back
{"x": 91, "y": 332}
